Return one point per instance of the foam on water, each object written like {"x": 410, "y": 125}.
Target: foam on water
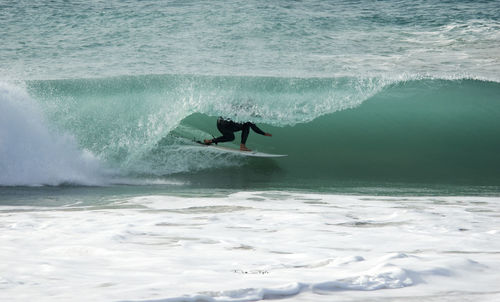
{"x": 252, "y": 246}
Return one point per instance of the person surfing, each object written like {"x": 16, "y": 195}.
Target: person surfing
{"x": 227, "y": 127}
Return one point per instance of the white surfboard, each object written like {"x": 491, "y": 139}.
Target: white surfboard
{"x": 242, "y": 153}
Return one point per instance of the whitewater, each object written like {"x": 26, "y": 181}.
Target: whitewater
{"x": 388, "y": 112}
{"x": 250, "y": 246}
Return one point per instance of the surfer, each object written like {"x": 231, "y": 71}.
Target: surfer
{"x": 227, "y": 127}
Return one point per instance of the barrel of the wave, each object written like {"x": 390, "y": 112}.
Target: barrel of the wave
{"x": 434, "y": 132}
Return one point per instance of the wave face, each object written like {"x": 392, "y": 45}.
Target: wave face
{"x": 124, "y": 120}
{"x": 333, "y": 129}
{"x": 427, "y": 131}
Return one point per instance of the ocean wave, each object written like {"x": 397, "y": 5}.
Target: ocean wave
{"x": 332, "y": 128}
{"x": 416, "y": 131}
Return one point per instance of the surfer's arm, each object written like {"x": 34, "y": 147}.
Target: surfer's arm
{"x": 257, "y": 129}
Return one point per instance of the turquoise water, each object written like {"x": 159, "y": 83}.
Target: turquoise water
{"x": 424, "y": 131}
{"x": 356, "y": 93}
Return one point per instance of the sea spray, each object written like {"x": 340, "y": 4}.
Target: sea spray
{"x": 31, "y": 154}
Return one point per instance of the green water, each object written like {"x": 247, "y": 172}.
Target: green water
{"x": 336, "y": 131}
{"x": 446, "y": 133}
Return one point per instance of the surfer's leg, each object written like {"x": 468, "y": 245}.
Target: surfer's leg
{"x": 244, "y": 133}
{"x": 226, "y": 137}
{"x": 227, "y": 134}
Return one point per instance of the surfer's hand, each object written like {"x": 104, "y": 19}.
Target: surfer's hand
{"x": 268, "y": 134}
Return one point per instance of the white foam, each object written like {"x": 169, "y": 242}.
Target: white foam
{"x": 31, "y": 154}
{"x": 251, "y": 246}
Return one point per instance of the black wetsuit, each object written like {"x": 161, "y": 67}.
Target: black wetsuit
{"x": 228, "y": 127}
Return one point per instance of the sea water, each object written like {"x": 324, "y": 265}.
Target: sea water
{"x": 389, "y": 112}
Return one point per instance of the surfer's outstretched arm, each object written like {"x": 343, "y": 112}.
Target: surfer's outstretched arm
{"x": 256, "y": 129}
{"x": 246, "y": 129}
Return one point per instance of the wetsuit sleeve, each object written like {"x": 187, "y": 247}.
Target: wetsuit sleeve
{"x": 256, "y": 129}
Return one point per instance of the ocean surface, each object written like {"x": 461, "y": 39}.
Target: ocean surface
{"x": 389, "y": 112}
